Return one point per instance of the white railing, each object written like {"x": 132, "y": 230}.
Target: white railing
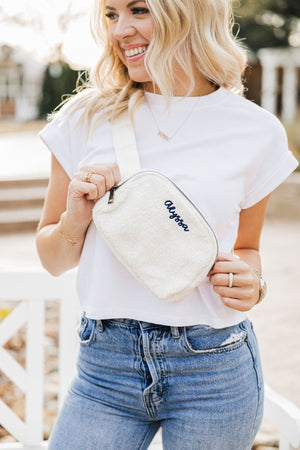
{"x": 31, "y": 289}
{"x": 285, "y": 416}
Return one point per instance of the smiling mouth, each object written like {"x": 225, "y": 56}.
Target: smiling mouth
{"x": 135, "y": 51}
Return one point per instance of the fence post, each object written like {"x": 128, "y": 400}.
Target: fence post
{"x": 34, "y": 410}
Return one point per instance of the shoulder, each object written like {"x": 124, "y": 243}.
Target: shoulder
{"x": 248, "y": 113}
{"x": 79, "y": 110}
{"x": 64, "y": 127}
{"x": 66, "y": 117}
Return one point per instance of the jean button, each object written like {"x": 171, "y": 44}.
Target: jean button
{"x": 144, "y": 359}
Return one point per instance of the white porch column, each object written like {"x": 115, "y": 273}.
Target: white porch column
{"x": 289, "y": 60}
{"x": 269, "y": 85}
{"x": 289, "y": 93}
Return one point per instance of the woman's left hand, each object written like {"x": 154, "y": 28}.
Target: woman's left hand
{"x": 244, "y": 293}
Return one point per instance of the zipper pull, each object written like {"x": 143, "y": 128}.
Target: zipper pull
{"x": 111, "y": 195}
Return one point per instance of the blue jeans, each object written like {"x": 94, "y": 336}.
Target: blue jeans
{"x": 202, "y": 386}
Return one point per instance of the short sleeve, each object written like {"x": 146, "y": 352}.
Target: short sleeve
{"x": 274, "y": 162}
{"x": 56, "y": 135}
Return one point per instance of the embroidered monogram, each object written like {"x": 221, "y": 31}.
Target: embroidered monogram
{"x": 171, "y": 208}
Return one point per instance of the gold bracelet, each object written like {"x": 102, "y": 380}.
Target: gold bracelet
{"x": 73, "y": 240}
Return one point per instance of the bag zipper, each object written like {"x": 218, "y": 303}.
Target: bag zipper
{"x": 114, "y": 188}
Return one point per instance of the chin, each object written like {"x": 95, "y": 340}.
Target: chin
{"x": 139, "y": 76}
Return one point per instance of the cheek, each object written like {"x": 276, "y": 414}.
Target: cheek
{"x": 149, "y": 30}
{"x": 116, "y": 47}
{"x": 120, "y": 54}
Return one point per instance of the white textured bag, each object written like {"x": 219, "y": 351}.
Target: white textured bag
{"x": 152, "y": 227}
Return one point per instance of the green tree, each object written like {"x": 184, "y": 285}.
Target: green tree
{"x": 59, "y": 80}
{"x": 267, "y": 23}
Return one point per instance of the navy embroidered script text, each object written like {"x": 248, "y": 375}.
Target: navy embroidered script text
{"x": 176, "y": 217}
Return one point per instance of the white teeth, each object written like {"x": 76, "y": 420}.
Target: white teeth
{"x": 135, "y": 51}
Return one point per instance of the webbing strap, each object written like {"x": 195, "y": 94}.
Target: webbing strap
{"x": 125, "y": 145}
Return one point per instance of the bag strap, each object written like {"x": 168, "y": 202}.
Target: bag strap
{"x": 125, "y": 145}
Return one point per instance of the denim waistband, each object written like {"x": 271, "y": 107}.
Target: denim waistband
{"x": 136, "y": 323}
{"x": 133, "y": 323}
{"x": 139, "y": 324}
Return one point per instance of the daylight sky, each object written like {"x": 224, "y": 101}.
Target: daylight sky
{"x": 38, "y": 26}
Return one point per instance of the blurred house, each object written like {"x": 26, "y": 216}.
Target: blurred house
{"x": 281, "y": 81}
{"x": 273, "y": 81}
{"x": 21, "y": 81}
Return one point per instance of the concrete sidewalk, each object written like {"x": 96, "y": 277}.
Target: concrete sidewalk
{"x": 23, "y": 155}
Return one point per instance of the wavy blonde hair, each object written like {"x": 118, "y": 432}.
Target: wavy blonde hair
{"x": 186, "y": 32}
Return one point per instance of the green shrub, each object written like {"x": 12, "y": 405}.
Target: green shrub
{"x": 59, "y": 80}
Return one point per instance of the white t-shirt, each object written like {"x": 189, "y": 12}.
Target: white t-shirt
{"x": 228, "y": 155}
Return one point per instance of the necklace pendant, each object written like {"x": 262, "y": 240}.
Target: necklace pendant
{"x": 163, "y": 135}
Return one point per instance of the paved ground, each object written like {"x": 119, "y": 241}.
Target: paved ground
{"x": 276, "y": 320}
{"x": 23, "y": 154}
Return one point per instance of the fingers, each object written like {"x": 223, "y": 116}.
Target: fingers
{"x": 94, "y": 180}
{"x": 234, "y": 266}
{"x": 116, "y": 173}
{"x": 239, "y": 279}
{"x": 98, "y": 186}
{"x": 243, "y": 293}
{"x": 110, "y": 173}
{"x": 87, "y": 186}
{"x": 222, "y": 262}
{"x": 227, "y": 257}
{"x": 79, "y": 189}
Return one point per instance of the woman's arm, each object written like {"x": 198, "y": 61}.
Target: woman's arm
{"x": 245, "y": 291}
{"x": 67, "y": 213}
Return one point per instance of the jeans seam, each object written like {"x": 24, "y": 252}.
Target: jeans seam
{"x": 150, "y": 429}
{"x": 253, "y": 356}
{"x": 259, "y": 386}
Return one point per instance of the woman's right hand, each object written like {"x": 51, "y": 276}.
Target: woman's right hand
{"x": 82, "y": 194}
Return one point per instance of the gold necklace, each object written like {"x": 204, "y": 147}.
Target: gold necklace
{"x": 160, "y": 132}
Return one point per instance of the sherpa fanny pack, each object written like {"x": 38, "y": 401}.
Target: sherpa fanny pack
{"x": 152, "y": 227}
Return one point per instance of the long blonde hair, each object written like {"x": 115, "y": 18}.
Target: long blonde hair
{"x": 187, "y": 32}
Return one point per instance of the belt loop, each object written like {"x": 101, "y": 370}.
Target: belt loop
{"x": 175, "y": 332}
{"x": 99, "y": 325}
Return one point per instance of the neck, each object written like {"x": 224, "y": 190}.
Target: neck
{"x": 202, "y": 87}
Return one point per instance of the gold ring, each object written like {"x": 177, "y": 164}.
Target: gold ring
{"x": 230, "y": 284}
{"x": 88, "y": 177}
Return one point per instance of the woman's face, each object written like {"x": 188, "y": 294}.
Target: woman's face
{"x": 131, "y": 29}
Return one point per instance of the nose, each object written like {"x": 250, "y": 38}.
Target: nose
{"x": 123, "y": 28}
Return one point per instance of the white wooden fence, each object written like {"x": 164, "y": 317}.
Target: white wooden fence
{"x": 31, "y": 289}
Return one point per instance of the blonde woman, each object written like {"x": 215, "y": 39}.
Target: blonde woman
{"x": 190, "y": 367}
